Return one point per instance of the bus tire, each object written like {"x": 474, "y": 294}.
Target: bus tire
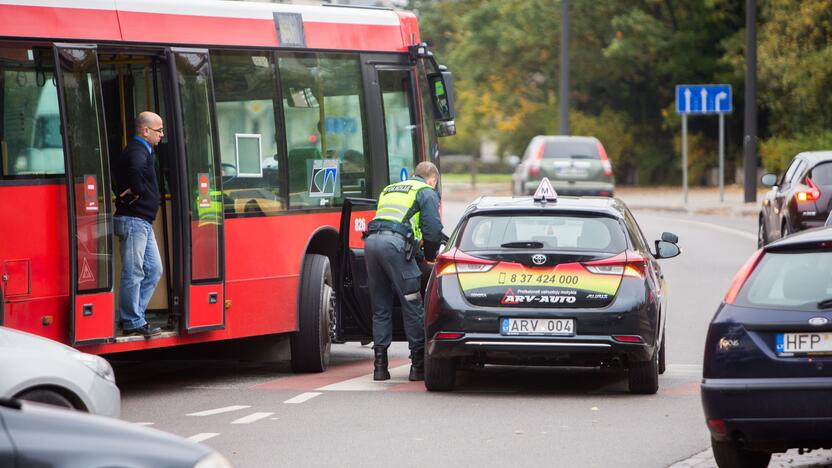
{"x": 312, "y": 343}
{"x": 46, "y": 397}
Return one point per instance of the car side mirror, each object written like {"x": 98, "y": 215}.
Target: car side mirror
{"x": 514, "y": 160}
{"x": 666, "y": 249}
{"x": 670, "y": 237}
{"x": 769, "y": 180}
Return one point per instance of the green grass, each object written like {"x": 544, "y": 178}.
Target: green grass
{"x": 484, "y": 178}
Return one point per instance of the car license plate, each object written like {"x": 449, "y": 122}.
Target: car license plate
{"x": 790, "y": 343}
{"x": 571, "y": 172}
{"x": 537, "y": 327}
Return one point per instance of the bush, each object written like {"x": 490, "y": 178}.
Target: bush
{"x": 777, "y": 152}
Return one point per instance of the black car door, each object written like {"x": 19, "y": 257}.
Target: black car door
{"x": 781, "y": 197}
{"x": 354, "y": 314}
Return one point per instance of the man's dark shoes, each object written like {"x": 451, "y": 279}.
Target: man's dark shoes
{"x": 417, "y": 366}
{"x": 146, "y": 331}
{"x": 380, "y": 371}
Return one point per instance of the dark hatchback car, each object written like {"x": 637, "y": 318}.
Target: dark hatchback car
{"x": 801, "y": 199}
{"x": 767, "y": 374}
{"x": 570, "y": 282}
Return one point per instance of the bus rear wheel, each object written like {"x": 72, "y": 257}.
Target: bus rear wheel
{"x": 311, "y": 344}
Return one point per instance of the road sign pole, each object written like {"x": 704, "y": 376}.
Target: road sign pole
{"x": 721, "y": 157}
{"x": 685, "y": 156}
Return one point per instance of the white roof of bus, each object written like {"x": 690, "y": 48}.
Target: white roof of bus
{"x": 227, "y": 9}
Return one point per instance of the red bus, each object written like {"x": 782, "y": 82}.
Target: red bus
{"x": 274, "y": 116}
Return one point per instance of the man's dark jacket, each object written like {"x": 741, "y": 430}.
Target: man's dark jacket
{"x": 135, "y": 170}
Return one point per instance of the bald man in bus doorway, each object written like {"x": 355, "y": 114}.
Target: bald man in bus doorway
{"x": 136, "y": 206}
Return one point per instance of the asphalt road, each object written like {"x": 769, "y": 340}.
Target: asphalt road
{"x": 263, "y": 415}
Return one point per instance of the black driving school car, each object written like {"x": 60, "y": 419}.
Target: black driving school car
{"x": 548, "y": 280}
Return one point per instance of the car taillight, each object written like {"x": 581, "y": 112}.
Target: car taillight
{"x": 626, "y": 263}
{"x": 605, "y": 161}
{"x": 534, "y": 167}
{"x": 741, "y": 276}
{"x": 627, "y": 338}
{"x": 449, "y": 335}
{"x": 808, "y": 195}
{"x": 455, "y": 261}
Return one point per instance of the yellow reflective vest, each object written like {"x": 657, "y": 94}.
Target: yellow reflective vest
{"x": 396, "y": 200}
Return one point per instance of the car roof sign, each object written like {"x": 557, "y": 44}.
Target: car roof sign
{"x": 545, "y": 192}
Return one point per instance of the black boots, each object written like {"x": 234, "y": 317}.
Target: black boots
{"x": 380, "y": 371}
{"x": 417, "y": 366}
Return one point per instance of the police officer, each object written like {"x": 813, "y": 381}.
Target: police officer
{"x": 406, "y": 229}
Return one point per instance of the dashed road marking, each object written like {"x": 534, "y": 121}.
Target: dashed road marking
{"x": 717, "y": 227}
{"x": 365, "y": 383}
{"x": 203, "y": 436}
{"x": 251, "y": 418}
{"x": 225, "y": 409}
{"x": 302, "y": 397}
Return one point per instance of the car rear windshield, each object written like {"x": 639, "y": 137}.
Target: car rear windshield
{"x": 798, "y": 280}
{"x": 560, "y": 149}
{"x": 821, "y": 174}
{"x": 584, "y": 233}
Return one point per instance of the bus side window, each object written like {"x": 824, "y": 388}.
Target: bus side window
{"x": 30, "y": 123}
{"x": 244, "y": 88}
{"x": 325, "y": 132}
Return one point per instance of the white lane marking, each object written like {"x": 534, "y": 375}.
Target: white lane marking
{"x": 143, "y": 423}
{"x": 226, "y": 409}
{"x": 302, "y": 397}
{"x": 203, "y": 436}
{"x": 684, "y": 369}
{"x": 717, "y": 227}
{"x": 365, "y": 383}
{"x": 251, "y": 418}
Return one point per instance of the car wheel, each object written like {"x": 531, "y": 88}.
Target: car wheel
{"x": 784, "y": 230}
{"x": 312, "y": 343}
{"x": 730, "y": 454}
{"x": 761, "y": 234}
{"x": 46, "y": 397}
{"x": 644, "y": 376}
{"x": 663, "y": 355}
{"x": 440, "y": 374}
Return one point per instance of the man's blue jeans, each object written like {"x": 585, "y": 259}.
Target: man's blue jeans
{"x": 141, "y": 269}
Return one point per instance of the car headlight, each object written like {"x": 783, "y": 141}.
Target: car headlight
{"x": 214, "y": 460}
{"x": 98, "y": 365}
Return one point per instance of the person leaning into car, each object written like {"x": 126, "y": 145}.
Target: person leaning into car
{"x": 406, "y": 228}
{"x": 136, "y": 206}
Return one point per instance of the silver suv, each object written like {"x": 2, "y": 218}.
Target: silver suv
{"x": 575, "y": 165}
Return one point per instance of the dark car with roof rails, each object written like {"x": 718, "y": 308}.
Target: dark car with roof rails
{"x": 800, "y": 199}
{"x": 552, "y": 281}
{"x": 767, "y": 373}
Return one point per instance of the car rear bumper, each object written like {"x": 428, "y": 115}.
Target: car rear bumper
{"x": 771, "y": 413}
{"x": 575, "y": 188}
{"x": 492, "y": 348}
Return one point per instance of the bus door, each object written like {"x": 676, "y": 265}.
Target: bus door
{"x": 89, "y": 205}
{"x": 395, "y": 136}
{"x": 200, "y": 212}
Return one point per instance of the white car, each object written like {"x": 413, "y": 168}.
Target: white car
{"x": 38, "y": 369}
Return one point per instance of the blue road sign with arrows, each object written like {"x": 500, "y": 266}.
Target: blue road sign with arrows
{"x": 703, "y": 99}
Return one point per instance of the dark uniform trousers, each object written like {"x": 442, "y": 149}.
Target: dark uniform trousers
{"x": 390, "y": 273}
